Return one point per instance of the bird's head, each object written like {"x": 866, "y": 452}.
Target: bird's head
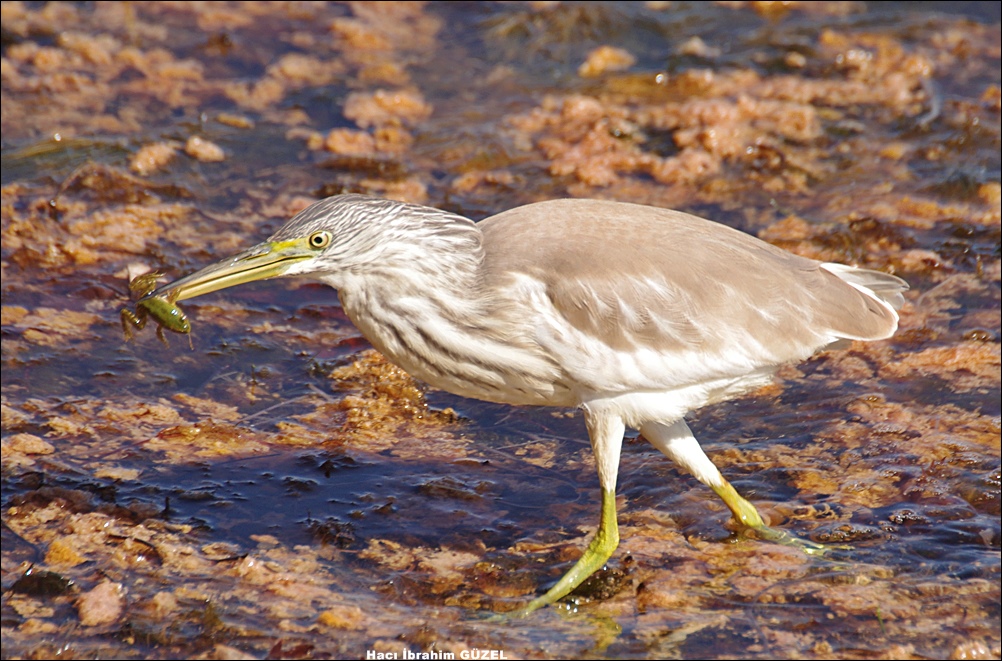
{"x": 342, "y": 238}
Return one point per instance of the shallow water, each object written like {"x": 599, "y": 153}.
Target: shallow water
{"x": 280, "y": 491}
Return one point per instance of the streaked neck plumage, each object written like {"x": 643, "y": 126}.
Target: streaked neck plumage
{"x": 417, "y": 293}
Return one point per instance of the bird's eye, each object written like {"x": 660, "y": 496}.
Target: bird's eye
{"x": 320, "y": 239}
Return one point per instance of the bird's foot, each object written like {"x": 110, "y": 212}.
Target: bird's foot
{"x": 748, "y": 517}
{"x": 600, "y": 549}
{"x": 780, "y": 536}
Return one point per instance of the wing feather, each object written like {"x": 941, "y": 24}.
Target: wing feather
{"x": 670, "y": 286}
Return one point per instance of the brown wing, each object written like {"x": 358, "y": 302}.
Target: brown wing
{"x": 642, "y": 277}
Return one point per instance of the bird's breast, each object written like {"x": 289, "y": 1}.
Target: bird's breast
{"x": 460, "y": 346}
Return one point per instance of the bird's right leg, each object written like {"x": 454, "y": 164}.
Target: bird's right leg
{"x": 678, "y": 444}
{"x": 606, "y": 432}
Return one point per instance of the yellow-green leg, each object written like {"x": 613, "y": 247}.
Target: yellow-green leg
{"x": 677, "y": 442}
{"x": 605, "y": 431}
{"x": 600, "y": 549}
{"x": 746, "y": 514}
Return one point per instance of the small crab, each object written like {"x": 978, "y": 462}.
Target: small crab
{"x": 163, "y": 309}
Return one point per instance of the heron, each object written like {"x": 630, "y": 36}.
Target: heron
{"x": 634, "y": 314}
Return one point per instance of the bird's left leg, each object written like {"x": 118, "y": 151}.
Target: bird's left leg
{"x": 677, "y": 442}
{"x": 606, "y": 433}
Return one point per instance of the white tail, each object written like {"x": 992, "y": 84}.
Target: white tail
{"x": 884, "y": 286}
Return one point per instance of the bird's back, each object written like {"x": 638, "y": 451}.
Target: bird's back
{"x": 669, "y": 288}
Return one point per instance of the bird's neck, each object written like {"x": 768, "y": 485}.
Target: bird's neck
{"x": 441, "y": 325}
{"x": 414, "y": 315}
